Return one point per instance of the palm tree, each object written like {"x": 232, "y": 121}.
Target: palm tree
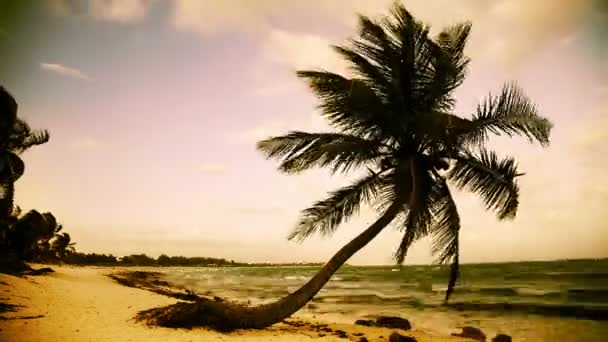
{"x": 15, "y": 137}
{"x": 395, "y": 120}
{"x": 62, "y": 245}
{"x": 31, "y": 234}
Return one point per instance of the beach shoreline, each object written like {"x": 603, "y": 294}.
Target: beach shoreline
{"x": 84, "y": 304}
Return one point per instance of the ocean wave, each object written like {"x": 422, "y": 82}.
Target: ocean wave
{"x": 591, "y": 312}
{"x": 502, "y": 291}
{"x": 559, "y": 276}
{"x": 366, "y": 298}
{"x": 592, "y": 295}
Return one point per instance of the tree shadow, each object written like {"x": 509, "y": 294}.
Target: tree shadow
{"x": 6, "y": 307}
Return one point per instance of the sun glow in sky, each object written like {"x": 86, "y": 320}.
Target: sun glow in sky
{"x": 154, "y": 108}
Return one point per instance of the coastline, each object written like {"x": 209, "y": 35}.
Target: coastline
{"x": 84, "y": 304}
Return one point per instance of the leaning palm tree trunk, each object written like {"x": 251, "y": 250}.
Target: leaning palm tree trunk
{"x": 226, "y": 316}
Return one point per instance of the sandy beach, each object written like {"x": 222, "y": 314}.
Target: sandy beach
{"x": 83, "y": 304}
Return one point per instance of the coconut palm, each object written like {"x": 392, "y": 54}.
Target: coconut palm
{"x": 30, "y": 236}
{"x": 62, "y": 245}
{"x": 395, "y": 118}
{"x": 395, "y": 121}
{"x": 15, "y": 137}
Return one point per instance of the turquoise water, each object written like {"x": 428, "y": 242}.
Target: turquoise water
{"x": 532, "y": 301}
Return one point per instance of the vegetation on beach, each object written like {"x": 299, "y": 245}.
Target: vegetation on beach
{"x": 395, "y": 121}
{"x": 33, "y": 236}
{"x": 78, "y": 258}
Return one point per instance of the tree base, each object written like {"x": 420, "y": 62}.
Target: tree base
{"x": 215, "y": 314}
{"x": 13, "y": 266}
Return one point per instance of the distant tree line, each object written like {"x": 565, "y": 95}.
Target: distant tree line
{"x": 77, "y": 258}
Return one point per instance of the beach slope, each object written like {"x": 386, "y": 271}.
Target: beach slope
{"x": 83, "y": 304}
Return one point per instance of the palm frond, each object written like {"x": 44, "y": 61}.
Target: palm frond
{"x": 369, "y": 55}
{"x": 8, "y": 108}
{"x": 454, "y": 273}
{"x": 16, "y": 165}
{"x": 419, "y": 209}
{"x": 299, "y": 151}
{"x": 445, "y": 230}
{"x": 22, "y": 137}
{"x": 7, "y": 199}
{"x": 351, "y": 105}
{"x": 445, "y": 227}
{"x": 510, "y": 113}
{"x": 388, "y": 191}
{"x": 16, "y": 211}
{"x": 413, "y": 57}
{"x": 455, "y": 37}
{"x": 34, "y": 139}
{"x": 491, "y": 178}
{"x": 409, "y": 236}
{"x": 326, "y": 215}
{"x": 447, "y": 69}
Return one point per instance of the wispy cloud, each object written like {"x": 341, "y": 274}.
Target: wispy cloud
{"x": 211, "y": 168}
{"x": 65, "y": 71}
{"x": 208, "y": 17}
{"x": 313, "y": 122}
{"x": 108, "y": 10}
{"x": 119, "y": 10}
{"x": 302, "y": 51}
{"x": 503, "y": 31}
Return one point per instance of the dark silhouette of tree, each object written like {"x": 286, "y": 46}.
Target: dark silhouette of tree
{"x": 395, "y": 120}
{"x": 138, "y": 259}
{"x": 15, "y": 137}
{"x": 61, "y": 246}
{"x": 90, "y": 259}
{"x": 30, "y": 236}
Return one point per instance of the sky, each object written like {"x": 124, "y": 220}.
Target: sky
{"x": 154, "y": 108}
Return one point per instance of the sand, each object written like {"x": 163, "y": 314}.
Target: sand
{"x": 83, "y": 304}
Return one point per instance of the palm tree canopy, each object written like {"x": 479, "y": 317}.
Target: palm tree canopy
{"x": 394, "y": 116}
{"x": 8, "y": 112}
{"x": 16, "y": 136}
{"x": 36, "y": 226}
{"x": 62, "y": 243}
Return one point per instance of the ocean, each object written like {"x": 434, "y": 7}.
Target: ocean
{"x": 531, "y": 301}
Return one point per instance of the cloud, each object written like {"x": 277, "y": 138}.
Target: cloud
{"x": 312, "y": 122}
{"x": 272, "y": 90}
{"x": 66, "y": 7}
{"x": 119, "y": 10}
{"x": 65, "y": 71}
{"x": 302, "y": 51}
{"x": 504, "y": 32}
{"x": 107, "y": 10}
{"x": 212, "y": 168}
{"x": 208, "y": 17}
